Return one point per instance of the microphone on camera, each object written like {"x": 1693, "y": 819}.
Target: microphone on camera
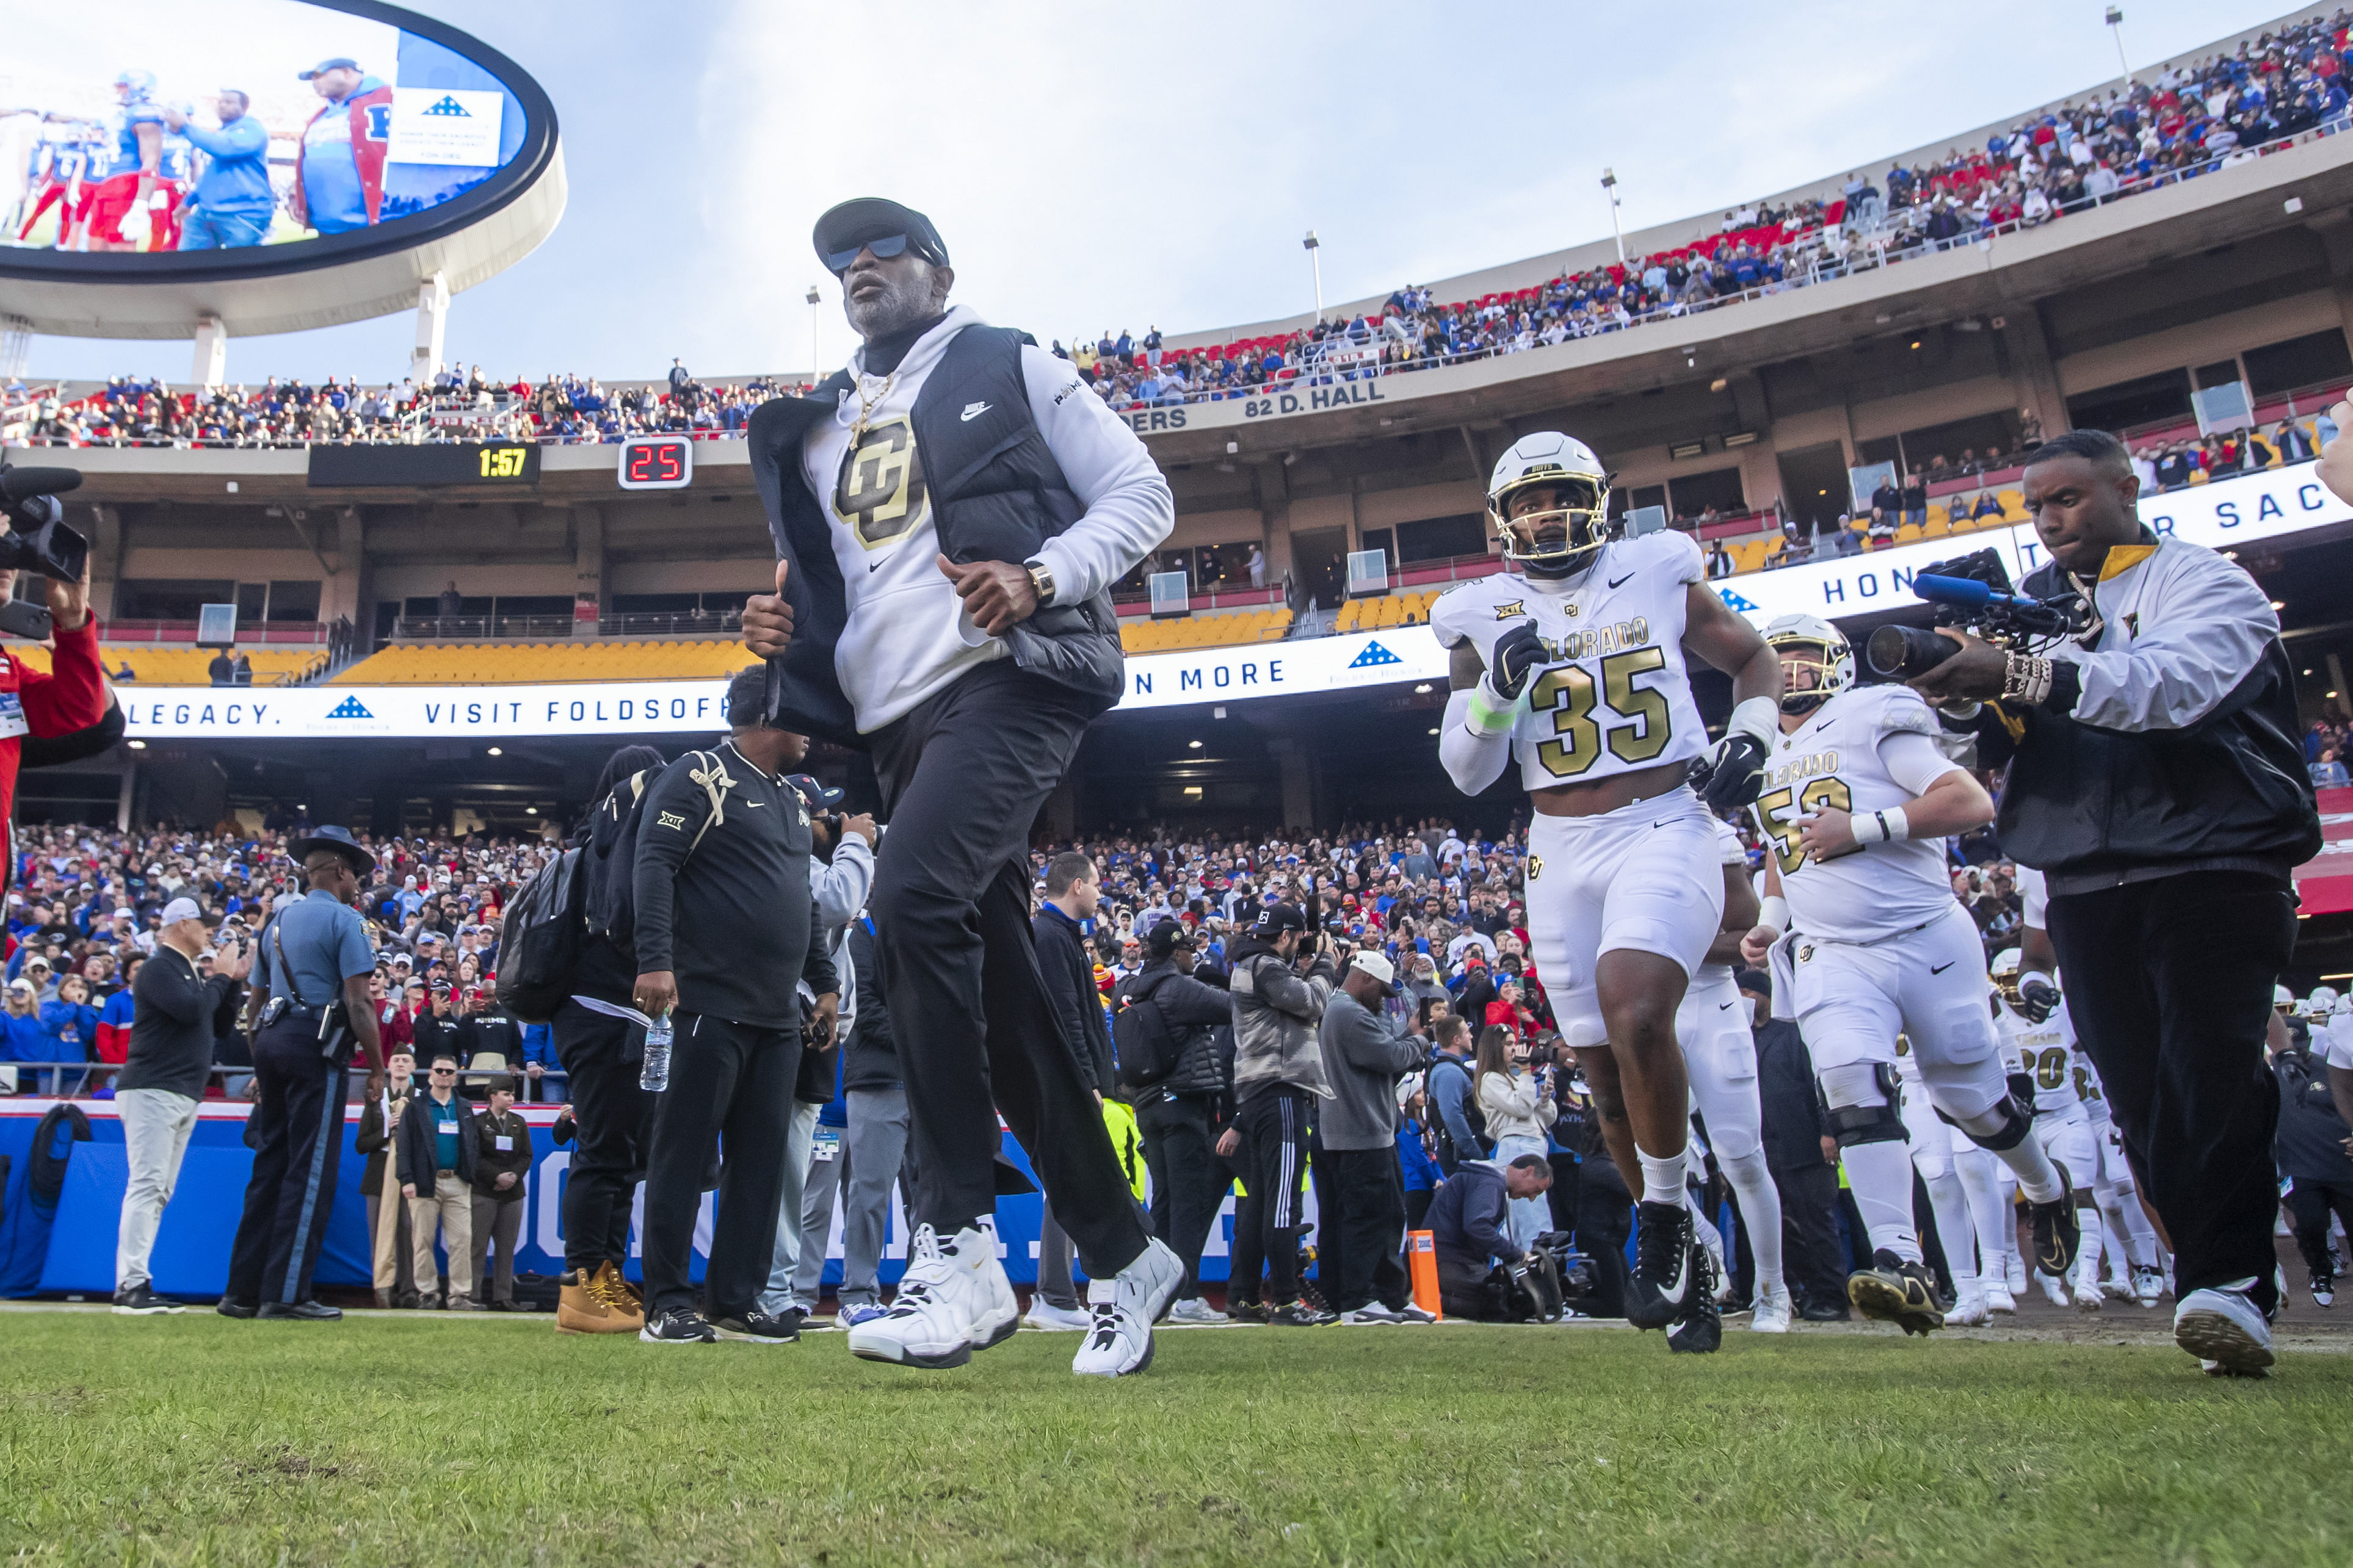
{"x": 22, "y": 484}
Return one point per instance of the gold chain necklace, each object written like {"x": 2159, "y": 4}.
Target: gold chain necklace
{"x": 865, "y": 407}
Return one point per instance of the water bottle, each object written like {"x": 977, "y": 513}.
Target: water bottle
{"x": 655, "y": 1075}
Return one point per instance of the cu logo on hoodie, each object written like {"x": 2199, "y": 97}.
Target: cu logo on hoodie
{"x": 879, "y": 495}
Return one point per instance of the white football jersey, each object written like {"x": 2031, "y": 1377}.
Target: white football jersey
{"x": 2047, "y": 1050}
{"x": 1616, "y": 697}
{"x": 2034, "y": 897}
{"x": 1734, "y": 853}
{"x": 1864, "y": 749}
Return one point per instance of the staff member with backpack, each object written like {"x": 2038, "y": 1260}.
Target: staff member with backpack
{"x": 600, "y": 1039}
{"x": 723, "y": 916}
{"x": 1166, "y": 1031}
{"x": 1460, "y": 1129}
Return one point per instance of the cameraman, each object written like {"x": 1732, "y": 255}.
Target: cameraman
{"x": 2156, "y": 777}
{"x": 1282, "y": 978}
{"x": 71, "y": 697}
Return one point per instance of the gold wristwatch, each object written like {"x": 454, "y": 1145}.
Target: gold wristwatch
{"x": 1042, "y": 580}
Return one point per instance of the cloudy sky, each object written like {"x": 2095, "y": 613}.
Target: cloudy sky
{"x": 1098, "y": 166}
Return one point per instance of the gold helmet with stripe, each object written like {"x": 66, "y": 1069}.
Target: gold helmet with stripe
{"x": 1548, "y": 500}
{"x": 1832, "y": 661}
{"x": 2005, "y": 970}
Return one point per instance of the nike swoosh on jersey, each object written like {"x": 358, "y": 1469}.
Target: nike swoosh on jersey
{"x": 1940, "y": 968}
{"x": 1620, "y": 582}
{"x": 974, "y": 410}
{"x": 1720, "y": 1006}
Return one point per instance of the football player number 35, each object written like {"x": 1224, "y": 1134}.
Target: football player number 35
{"x": 1568, "y": 692}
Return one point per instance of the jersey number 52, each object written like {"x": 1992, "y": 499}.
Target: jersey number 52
{"x": 1830, "y": 792}
{"x": 1567, "y": 692}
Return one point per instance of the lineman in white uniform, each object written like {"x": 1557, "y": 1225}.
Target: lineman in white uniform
{"x": 1859, "y": 799}
{"x": 1575, "y": 660}
{"x": 1720, "y": 1055}
{"x": 1932, "y": 1156}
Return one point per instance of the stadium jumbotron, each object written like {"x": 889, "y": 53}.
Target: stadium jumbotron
{"x": 419, "y": 598}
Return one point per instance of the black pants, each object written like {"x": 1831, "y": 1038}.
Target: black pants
{"x": 1360, "y": 1208}
{"x": 1462, "y": 1292}
{"x": 730, "y": 1081}
{"x": 1273, "y": 1159}
{"x": 2169, "y": 984}
{"x": 963, "y": 777}
{"x": 1813, "y": 1261}
{"x": 1189, "y": 1178}
{"x": 2311, "y": 1203}
{"x": 603, "y": 1057}
{"x": 299, "y": 1108}
{"x": 1416, "y": 1208}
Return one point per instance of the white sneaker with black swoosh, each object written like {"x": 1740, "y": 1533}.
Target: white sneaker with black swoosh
{"x": 1125, "y": 1306}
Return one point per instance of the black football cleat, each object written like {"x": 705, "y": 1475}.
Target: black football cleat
{"x": 2057, "y": 1232}
{"x": 1663, "y": 1280}
{"x": 1898, "y": 1292}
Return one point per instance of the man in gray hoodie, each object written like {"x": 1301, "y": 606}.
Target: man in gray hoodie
{"x": 1359, "y": 1194}
{"x": 1280, "y": 987}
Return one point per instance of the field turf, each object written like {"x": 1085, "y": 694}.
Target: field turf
{"x": 424, "y": 1440}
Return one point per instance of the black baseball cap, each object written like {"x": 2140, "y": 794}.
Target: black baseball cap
{"x": 1276, "y": 919}
{"x": 1161, "y": 942}
{"x": 819, "y": 796}
{"x": 843, "y": 230}
{"x": 1754, "y": 981}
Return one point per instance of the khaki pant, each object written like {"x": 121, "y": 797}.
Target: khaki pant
{"x": 155, "y": 1127}
{"x": 451, "y": 1203}
{"x": 388, "y": 1225}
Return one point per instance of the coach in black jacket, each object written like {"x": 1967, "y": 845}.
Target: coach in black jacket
{"x": 724, "y": 921}
{"x": 1072, "y": 894}
{"x": 1179, "y": 1116}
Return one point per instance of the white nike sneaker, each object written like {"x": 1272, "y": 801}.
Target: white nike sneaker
{"x": 2224, "y": 1331}
{"x": 1370, "y": 1313}
{"x": 1125, "y": 1306}
{"x": 1773, "y": 1310}
{"x": 954, "y": 1299}
{"x": 2148, "y": 1284}
{"x": 1193, "y": 1309}
{"x": 1999, "y": 1300}
{"x": 2013, "y": 1268}
{"x": 1973, "y": 1310}
{"x": 1043, "y": 1314}
{"x": 1411, "y": 1313}
{"x": 2089, "y": 1294}
{"x": 2053, "y": 1288}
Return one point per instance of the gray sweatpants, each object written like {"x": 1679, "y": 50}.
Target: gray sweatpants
{"x": 798, "y": 1135}
{"x": 872, "y": 1147}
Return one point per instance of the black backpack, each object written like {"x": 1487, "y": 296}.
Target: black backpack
{"x": 1147, "y": 1048}
{"x": 609, "y": 904}
{"x": 1445, "y": 1151}
{"x": 541, "y": 943}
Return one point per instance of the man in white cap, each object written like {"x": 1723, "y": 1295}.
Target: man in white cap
{"x": 178, "y": 1017}
{"x": 1359, "y": 1194}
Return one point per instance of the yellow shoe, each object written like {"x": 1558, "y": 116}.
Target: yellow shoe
{"x": 580, "y": 1307}
{"x": 620, "y": 1299}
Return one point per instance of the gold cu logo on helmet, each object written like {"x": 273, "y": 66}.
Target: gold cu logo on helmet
{"x": 879, "y": 495}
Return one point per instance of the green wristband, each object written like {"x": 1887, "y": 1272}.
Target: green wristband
{"x": 1489, "y": 714}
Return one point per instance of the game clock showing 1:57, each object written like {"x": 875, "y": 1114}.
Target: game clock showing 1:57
{"x": 495, "y": 463}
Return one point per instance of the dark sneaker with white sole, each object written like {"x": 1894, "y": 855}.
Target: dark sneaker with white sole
{"x": 1663, "y": 1274}
{"x": 1900, "y": 1292}
{"x": 141, "y": 1302}
{"x": 678, "y": 1326}
{"x": 758, "y": 1327}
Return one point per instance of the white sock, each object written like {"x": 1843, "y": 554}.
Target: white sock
{"x": 1880, "y": 1177}
{"x": 2037, "y": 1178}
{"x": 1663, "y": 1180}
{"x": 1979, "y": 1175}
{"x": 1954, "y": 1227}
{"x": 2087, "y": 1256}
{"x": 1760, "y": 1211}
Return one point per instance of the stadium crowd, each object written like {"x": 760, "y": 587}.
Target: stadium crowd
{"x": 2176, "y": 123}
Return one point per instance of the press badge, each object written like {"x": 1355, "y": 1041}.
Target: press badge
{"x": 503, "y": 1143}
{"x": 12, "y": 715}
{"x": 449, "y": 1126}
{"x": 827, "y": 1145}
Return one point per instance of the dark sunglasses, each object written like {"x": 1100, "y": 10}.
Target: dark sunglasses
{"x": 883, "y": 249}
{"x": 438, "y": 1072}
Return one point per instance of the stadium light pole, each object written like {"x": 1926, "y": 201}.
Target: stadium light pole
{"x": 1609, "y": 189}
{"x": 2116, "y": 30}
{"x": 1314, "y": 248}
{"x": 816, "y": 344}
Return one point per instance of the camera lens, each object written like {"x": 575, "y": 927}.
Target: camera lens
{"x": 1906, "y": 653}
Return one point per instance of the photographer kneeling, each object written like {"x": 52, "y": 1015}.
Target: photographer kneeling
{"x": 1470, "y": 1229}
{"x": 2156, "y": 779}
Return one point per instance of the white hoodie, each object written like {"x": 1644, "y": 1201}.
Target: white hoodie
{"x": 907, "y": 635}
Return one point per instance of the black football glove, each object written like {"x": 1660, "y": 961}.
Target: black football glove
{"x": 2036, "y": 997}
{"x": 1732, "y": 775}
{"x": 1518, "y": 653}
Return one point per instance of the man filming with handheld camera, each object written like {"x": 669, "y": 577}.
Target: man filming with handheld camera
{"x": 2156, "y": 778}
{"x": 71, "y": 697}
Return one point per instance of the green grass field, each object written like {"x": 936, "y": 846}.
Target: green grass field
{"x": 417, "y": 1440}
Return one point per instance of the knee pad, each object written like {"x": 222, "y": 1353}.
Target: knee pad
{"x": 1859, "y": 1099}
{"x": 1933, "y": 1163}
{"x": 2005, "y": 1125}
{"x": 1751, "y": 1166}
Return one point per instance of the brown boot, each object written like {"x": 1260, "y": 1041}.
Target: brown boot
{"x": 384, "y": 1297}
{"x": 627, "y": 1307}
{"x": 580, "y": 1307}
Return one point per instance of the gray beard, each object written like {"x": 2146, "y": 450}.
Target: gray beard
{"x": 903, "y": 304}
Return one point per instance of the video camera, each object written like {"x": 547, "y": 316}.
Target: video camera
{"x": 38, "y": 540}
{"x": 1972, "y": 594}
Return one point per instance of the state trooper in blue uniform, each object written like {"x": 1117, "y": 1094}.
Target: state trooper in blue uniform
{"x": 310, "y": 992}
